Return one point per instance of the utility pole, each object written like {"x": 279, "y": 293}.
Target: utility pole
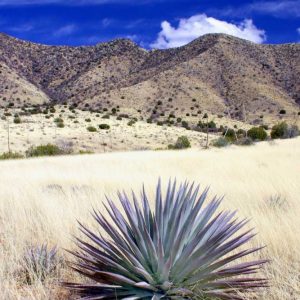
{"x": 8, "y": 136}
{"x": 245, "y": 118}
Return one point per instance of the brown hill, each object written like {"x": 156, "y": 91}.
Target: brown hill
{"x": 215, "y": 73}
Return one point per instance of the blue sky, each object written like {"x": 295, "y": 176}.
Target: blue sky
{"x": 150, "y": 23}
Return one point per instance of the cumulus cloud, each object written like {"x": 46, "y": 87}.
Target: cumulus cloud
{"x": 198, "y": 25}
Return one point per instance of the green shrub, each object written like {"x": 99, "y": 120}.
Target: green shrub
{"x": 279, "y": 130}
{"x": 220, "y": 142}
{"x": 60, "y": 125}
{"x": 104, "y": 126}
{"x": 131, "y": 123}
{"x": 284, "y": 131}
{"x": 245, "y": 141}
{"x": 45, "y": 150}
{"x": 257, "y": 134}
{"x": 11, "y": 155}
{"x": 181, "y": 143}
{"x": 92, "y": 129}
{"x": 17, "y": 120}
{"x": 85, "y": 152}
{"x": 88, "y": 120}
{"x": 229, "y": 134}
{"x": 241, "y": 133}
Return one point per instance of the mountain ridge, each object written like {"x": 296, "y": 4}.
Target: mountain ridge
{"x": 215, "y": 73}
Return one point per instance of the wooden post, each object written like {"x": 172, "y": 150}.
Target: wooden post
{"x": 8, "y": 136}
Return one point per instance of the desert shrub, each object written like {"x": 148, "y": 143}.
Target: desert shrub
{"x": 11, "y": 155}
{"x": 88, "y": 120}
{"x": 149, "y": 121}
{"x": 119, "y": 118}
{"x": 106, "y": 116}
{"x": 241, "y": 133}
{"x": 277, "y": 202}
{"x": 17, "y": 120}
{"x": 60, "y": 125}
{"x": 104, "y": 126}
{"x": 293, "y": 131}
{"x": 92, "y": 129}
{"x": 229, "y": 134}
{"x": 40, "y": 262}
{"x": 131, "y": 123}
{"x": 85, "y": 152}
{"x": 282, "y": 112}
{"x": 59, "y": 122}
{"x": 284, "y": 131}
{"x": 244, "y": 141}
{"x": 257, "y": 134}
{"x": 220, "y": 142}
{"x": 180, "y": 250}
{"x": 44, "y": 150}
{"x": 279, "y": 130}
{"x": 181, "y": 143}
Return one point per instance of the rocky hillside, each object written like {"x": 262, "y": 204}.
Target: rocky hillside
{"x": 216, "y": 73}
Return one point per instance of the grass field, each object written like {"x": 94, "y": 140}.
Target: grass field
{"x": 41, "y": 199}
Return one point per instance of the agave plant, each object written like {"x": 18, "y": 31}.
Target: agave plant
{"x": 40, "y": 261}
{"x": 181, "y": 250}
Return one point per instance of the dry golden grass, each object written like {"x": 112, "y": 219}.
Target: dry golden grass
{"x": 40, "y": 200}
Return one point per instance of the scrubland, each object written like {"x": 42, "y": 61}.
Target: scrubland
{"x": 41, "y": 199}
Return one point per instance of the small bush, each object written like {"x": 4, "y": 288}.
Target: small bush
{"x": 131, "y": 123}
{"x": 11, "y": 155}
{"x": 85, "y": 152}
{"x": 17, "y": 120}
{"x": 92, "y": 129}
{"x": 245, "y": 141}
{"x": 220, "y": 142}
{"x": 279, "y": 130}
{"x": 104, "y": 126}
{"x": 284, "y": 131}
{"x": 181, "y": 143}
{"x": 229, "y": 134}
{"x": 40, "y": 262}
{"x": 45, "y": 150}
{"x": 60, "y": 125}
{"x": 88, "y": 120}
{"x": 241, "y": 133}
{"x": 282, "y": 112}
{"x": 257, "y": 133}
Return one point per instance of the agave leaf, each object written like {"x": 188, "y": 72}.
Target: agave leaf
{"x": 181, "y": 251}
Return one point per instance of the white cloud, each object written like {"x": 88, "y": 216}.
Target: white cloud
{"x": 198, "y": 25}
{"x": 65, "y": 30}
{"x": 298, "y": 30}
{"x": 277, "y": 8}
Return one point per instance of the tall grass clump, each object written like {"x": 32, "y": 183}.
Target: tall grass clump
{"x": 45, "y": 150}
{"x": 40, "y": 262}
{"x": 183, "y": 249}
